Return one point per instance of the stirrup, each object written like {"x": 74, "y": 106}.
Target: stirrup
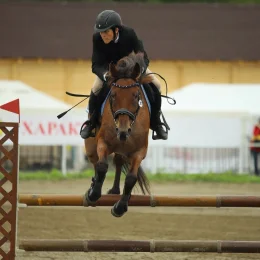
{"x": 164, "y": 123}
{"x": 86, "y": 123}
{"x": 155, "y": 136}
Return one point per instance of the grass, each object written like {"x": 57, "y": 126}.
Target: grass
{"x": 227, "y": 177}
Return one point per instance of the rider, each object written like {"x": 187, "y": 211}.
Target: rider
{"x": 255, "y": 150}
{"x": 112, "y": 41}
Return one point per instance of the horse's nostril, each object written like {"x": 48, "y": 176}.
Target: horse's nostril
{"x": 116, "y": 129}
{"x": 123, "y": 136}
{"x": 129, "y": 130}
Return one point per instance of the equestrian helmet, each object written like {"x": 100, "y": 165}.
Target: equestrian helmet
{"x": 106, "y": 20}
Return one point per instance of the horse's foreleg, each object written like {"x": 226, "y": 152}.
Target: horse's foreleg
{"x": 101, "y": 167}
{"x": 121, "y": 206}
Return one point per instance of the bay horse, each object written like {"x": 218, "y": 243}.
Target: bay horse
{"x": 123, "y": 130}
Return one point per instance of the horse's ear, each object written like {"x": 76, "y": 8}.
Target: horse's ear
{"x": 136, "y": 71}
{"x": 112, "y": 70}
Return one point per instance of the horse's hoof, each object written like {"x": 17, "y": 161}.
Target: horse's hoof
{"x": 92, "y": 195}
{"x": 114, "y": 191}
{"x": 119, "y": 209}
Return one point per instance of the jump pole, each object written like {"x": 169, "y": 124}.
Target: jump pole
{"x": 208, "y": 246}
{"x": 140, "y": 200}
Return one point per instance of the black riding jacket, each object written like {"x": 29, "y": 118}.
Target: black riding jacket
{"x": 103, "y": 54}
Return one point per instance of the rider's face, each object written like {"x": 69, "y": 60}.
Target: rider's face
{"x": 108, "y": 35}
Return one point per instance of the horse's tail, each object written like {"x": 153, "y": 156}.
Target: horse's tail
{"x": 143, "y": 181}
{"x": 141, "y": 178}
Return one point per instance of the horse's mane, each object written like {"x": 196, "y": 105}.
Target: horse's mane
{"x": 126, "y": 65}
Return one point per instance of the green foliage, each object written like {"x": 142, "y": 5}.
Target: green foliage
{"x": 54, "y": 175}
{"x": 226, "y": 177}
{"x": 209, "y": 177}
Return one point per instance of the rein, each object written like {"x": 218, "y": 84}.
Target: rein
{"x": 116, "y": 85}
{"x": 166, "y": 87}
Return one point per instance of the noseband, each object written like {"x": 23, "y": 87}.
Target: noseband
{"x": 124, "y": 111}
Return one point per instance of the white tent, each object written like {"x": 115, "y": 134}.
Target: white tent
{"x": 209, "y": 116}
{"x": 30, "y": 98}
{"x": 208, "y": 97}
{"x": 39, "y": 123}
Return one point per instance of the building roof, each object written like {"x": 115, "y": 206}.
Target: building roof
{"x": 169, "y": 31}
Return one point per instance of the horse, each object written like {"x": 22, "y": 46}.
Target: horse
{"x": 124, "y": 129}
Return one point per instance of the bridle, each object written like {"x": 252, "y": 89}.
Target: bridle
{"x": 124, "y": 111}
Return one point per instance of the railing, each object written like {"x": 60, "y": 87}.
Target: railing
{"x": 159, "y": 159}
{"x": 199, "y": 160}
{"x": 191, "y": 160}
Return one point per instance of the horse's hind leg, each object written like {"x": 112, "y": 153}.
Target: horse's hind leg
{"x": 94, "y": 193}
{"x": 118, "y": 161}
{"x": 121, "y": 206}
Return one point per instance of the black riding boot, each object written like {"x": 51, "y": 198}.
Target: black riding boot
{"x": 90, "y": 124}
{"x": 156, "y": 123}
{"x": 158, "y": 128}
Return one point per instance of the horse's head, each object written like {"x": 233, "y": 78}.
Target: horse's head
{"x": 126, "y": 97}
